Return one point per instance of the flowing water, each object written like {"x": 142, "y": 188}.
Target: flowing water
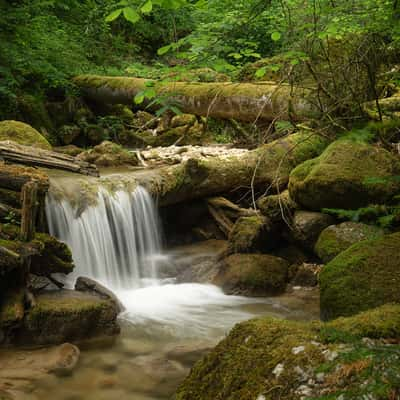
{"x": 166, "y": 326}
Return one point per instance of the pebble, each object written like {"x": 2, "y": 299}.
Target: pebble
{"x": 320, "y": 377}
{"x": 297, "y": 350}
{"x": 278, "y": 370}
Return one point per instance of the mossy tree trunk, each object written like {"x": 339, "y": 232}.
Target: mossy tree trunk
{"x": 267, "y": 165}
{"x": 239, "y": 101}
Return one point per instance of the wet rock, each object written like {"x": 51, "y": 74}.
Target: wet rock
{"x": 253, "y": 274}
{"x": 70, "y": 150}
{"x": 306, "y": 275}
{"x": 67, "y": 315}
{"x": 88, "y": 285}
{"x": 189, "y": 353}
{"x": 337, "y": 238}
{"x": 307, "y": 226}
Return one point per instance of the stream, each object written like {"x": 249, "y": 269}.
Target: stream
{"x": 167, "y": 326}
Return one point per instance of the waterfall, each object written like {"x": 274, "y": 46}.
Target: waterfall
{"x": 115, "y": 241}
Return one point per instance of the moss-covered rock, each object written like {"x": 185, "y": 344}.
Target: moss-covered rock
{"x": 108, "y": 154}
{"x": 253, "y": 274}
{"x": 52, "y": 256}
{"x": 364, "y": 276}
{"x": 307, "y": 226}
{"x": 23, "y": 134}
{"x": 251, "y": 234}
{"x": 337, "y": 238}
{"x": 346, "y": 175}
{"x": 70, "y": 150}
{"x": 273, "y": 359}
{"x": 67, "y": 315}
{"x": 277, "y": 207}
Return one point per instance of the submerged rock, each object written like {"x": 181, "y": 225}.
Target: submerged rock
{"x": 364, "y": 276}
{"x": 253, "y": 274}
{"x": 346, "y": 175}
{"x": 22, "y": 133}
{"x": 67, "y": 315}
{"x": 267, "y": 358}
{"x": 337, "y": 238}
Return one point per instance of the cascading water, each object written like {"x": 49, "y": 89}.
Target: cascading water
{"x": 116, "y": 241}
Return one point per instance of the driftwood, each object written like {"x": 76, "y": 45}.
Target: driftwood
{"x": 241, "y": 101}
{"x": 27, "y": 155}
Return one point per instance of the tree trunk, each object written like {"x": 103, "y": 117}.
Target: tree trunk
{"x": 267, "y": 165}
{"x": 240, "y": 101}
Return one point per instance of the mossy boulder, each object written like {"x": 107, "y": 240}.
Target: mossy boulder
{"x": 253, "y": 274}
{"x": 108, "y": 154}
{"x": 337, "y": 238}
{"x": 51, "y": 256}
{"x": 267, "y": 358}
{"x": 70, "y": 150}
{"x": 347, "y": 175}
{"x": 306, "y": 227}
{"x": 22, "y": 133}
{"x": 68, "y": 316}
{"x": 364, "y": 276}
{"x": 277, "y": 207}
{"x": 251, "y": 234}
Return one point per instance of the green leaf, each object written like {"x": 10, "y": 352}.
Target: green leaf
{"x": 150, "y": 93}
{"x": 261, "y": 72}
{"x": 147, "y": 7}
{"x": 114, "y": 15}
{"x": 163, "y": 50}
{"x": 275, "y": 36}
{"x": 131, "y": 15}
{"x": 139, "y": 98}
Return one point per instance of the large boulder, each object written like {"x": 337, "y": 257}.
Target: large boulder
{"x": 268, "y": 358}
{"x": 364, "y": 276}
{"x": 306, "y": 227}
{"x": 347, "y": 175}
{"x": 68, "y": 315}
{"x": 22, "y": 133}
{"x": 337, "y": 238}
{"x": 253, "y": 274}
{"x": 251, "y": 234}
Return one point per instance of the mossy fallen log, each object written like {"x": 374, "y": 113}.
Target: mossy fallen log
{"x": 267, "y": 165}
{"x": 240, "y": 101}
{"x": 27, "y": 155}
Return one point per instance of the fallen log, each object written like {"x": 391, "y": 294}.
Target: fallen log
{"x": 268, "y": 165}
{"x": 27, "y": 155}
{"x": 240, "y": 101}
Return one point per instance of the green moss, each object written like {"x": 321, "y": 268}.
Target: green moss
{"x": 23, "y": 134}
{"x": 346, "y": 175}
{"x": 253, "y": 274}
{"x": 33, "y": 111}
{"x": 381, "y": 322}
{"x": 272, "y": 359}
{"x": 277, "y": 206}
{"x": 247, "y": 234}
{"x": 337, "y": 238}
{"x": 364, "y": 276}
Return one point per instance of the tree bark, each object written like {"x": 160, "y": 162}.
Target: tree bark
{"x": 240, "y": 101}
{"x": 28, "y": 212}
{"x": 27, "y": 155}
